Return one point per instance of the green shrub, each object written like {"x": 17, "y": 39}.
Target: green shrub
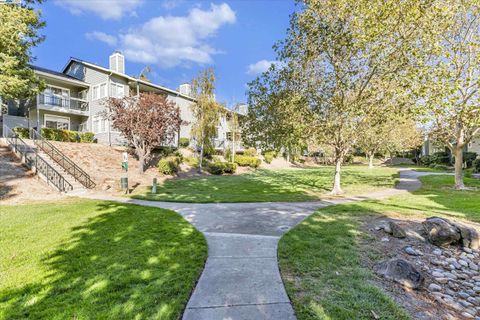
{"x": 441, "y": 158}
{"x": 87, "y": 137}
{"x": 47, "y": 133}
{"x": 165, "y": 151}
{"x": 221, "y": 167}
{"x": 191, "y": 161}
{"x": 348, "y": 158}
{"x": 72, "y": 136}
{"x": 425, "y": 160}
{"x": 247, "y": 161}
{"x": 469, "y": 157}
{"x": 436, "y": 158}
{"x": 169, "y": 165}
{"x": 476, "y": 165}
{"x": 269, "y": 156}
{"x": 440, "y": 167}
{"x": 23, "y": 133}
{"x": 184, "y": 142}
{"x": 250, "y": 152}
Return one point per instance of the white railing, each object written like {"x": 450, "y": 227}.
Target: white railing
{"x": 62, "y": 102}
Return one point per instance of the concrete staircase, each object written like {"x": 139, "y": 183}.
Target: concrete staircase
{"x": 77, "y": 186}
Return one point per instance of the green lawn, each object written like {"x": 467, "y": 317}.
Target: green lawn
{"x": 320, "y": 259}
{"x": 271, "y": 185}
{"x": 96, "y": 260}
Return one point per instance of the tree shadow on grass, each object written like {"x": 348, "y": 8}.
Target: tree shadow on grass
{"x": 127, "y": 262}
{"x": 438, "y": 197}
{"x": 321, "y": 264}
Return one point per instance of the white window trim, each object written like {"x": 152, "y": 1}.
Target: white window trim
{"x": 117, "y": 85}
{"x": 98, "y": 86}
{"x": 53, "y": 117}
{"x": 100, "y": 119}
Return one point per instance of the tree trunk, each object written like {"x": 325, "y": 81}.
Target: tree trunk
{"x": 458, "y": 153}
{"x": 337, "y": 189}
{"x": 200, "y": 162}
{"x": 371, "y": 157}
{"x": 141, "y": 160}
{"x": 391, "y": 159}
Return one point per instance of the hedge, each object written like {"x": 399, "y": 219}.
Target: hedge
{"x": 67, "y": 135}
{"x": 23, "y": 133}
{"x": 436, "y": 158}
{"x": 87, "y": 137}
{"x": 169, "y": 165}
{"x": 250, "y": 152}
{"x": 247, "y": 161}
{"x": 221, "y": 167}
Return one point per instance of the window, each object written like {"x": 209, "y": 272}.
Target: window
{"x": 99, "y": 91}
{"x": 117, "y": 90}
{"x": 95, "y": 126}
{"x": 56, "y": 122}
{"x": 103, "y": 123}
{"x": 95, "y": 93}
{"x": 100, "y": 125}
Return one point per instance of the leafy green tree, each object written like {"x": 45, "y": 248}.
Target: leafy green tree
{"x": 337, "y": 54}
{"x": 206, "y": 111}
{"x": 447, "y": 82}
{"x": 402, "y": 135}
{"x": 274, "y": 120}
{"x": 19, "y": 33}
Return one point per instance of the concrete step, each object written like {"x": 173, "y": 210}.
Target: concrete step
{"x": 69, "y": 178}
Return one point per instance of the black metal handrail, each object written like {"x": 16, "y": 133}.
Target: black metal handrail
{"x": 32, "y": 159}
{"x": 59, "y": 157}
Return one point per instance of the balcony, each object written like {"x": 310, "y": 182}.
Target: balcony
{"x": 62, "y": 103}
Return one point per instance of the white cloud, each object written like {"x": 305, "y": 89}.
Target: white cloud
{"x": 171, "y": 4}
{"x": 168, "y": 41}
{"x": 260, "y": 66}
{"x": 106, "y": 9}
{"x": 101, "y": 36}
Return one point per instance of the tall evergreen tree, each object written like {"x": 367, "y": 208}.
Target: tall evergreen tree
{"x": 19, "y": 33}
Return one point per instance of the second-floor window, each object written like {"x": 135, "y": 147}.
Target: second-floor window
{"x": 117, "y": 90}
{"x": 99, "y": 91}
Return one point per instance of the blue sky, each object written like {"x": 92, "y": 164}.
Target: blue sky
{"x": 175, "y": 38}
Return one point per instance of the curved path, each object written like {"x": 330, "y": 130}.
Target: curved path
{"x": 241, "y": 279}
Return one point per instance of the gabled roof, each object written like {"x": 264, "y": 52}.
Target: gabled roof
{"x": 122, "y": 75}
{"x": 58, "y": 75}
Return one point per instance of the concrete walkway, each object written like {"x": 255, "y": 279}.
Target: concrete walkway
{"x": 241, "y": 279}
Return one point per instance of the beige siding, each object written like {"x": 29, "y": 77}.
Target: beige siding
{"x": 474, "y": 146}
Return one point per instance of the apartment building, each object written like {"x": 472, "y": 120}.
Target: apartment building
{"x": 74, "y": 100}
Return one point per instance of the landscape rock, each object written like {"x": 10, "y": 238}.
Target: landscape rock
{"x": 400, "y": 271}
{"x": 434, "y": 287}
{"x": 409, "y": 250}
{"x": 440, "y": 232}
{"x": 469, "y": 236}
{"x": 397, "y": 231}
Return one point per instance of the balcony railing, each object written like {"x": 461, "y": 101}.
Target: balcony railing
{"x": 62, "y": 102}
{"x": 227, "y": 144}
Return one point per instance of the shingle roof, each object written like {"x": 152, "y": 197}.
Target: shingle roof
{"x": 57, "y": 74}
